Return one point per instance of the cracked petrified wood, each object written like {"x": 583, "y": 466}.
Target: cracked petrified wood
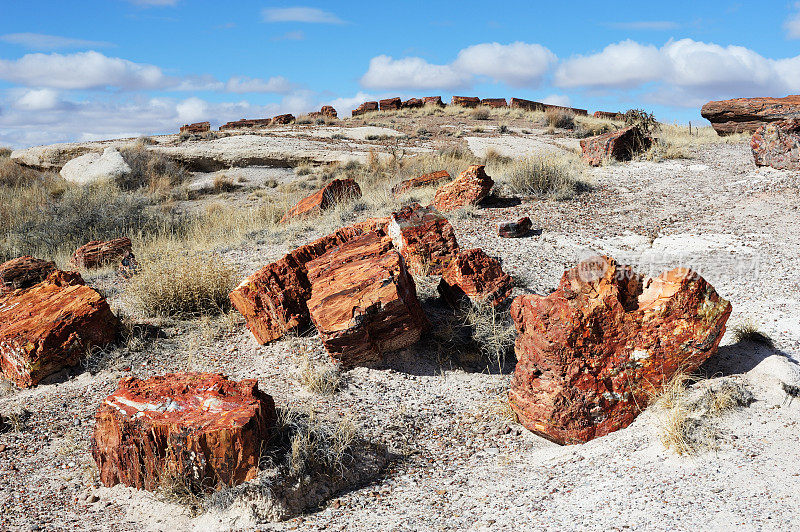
{"x": 425, "y": 180}
{"x": 592, "y": 353}
{"x": 323, "y": 199}
{"x": 746, "y": 115}
{"x": 363, "y": 301}
{"x": 512, "y": 229}
{"x": 51, "y": 326}
{"x": 473, "y": 276}
{"x": 199, "y": 428}
{"x": 777, "y": 145}
{"x": 99, "y": 253}
{"x": 24, "y": 272}
{"x": 273, "y": 299}
{"x": 469, "y": 188}
{"x": 424, "y": 237}
{"x": 620, "y": 145}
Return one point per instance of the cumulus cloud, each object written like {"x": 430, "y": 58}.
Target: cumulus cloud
{"x": 347, "y": 104}
{"x": 518, "y": 64}
{"x": 385, "y": 72}
{"x": 309, "y": 15}
{"x": 276, "y": 84}
{"x": 557, "y": 99}
{"x": 620, "y": 65}
{"x": 40, "y": 41}
{"x": 792, "y": 24}
{"x": 40, "y": 100}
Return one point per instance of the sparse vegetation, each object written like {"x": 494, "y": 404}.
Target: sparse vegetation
{"x": 479, "y": 113}
{"x": 323, "y": 381}
{"x": 151, "y": 170}
{"x": 747, "y": 331}
{"x": 492, "y": 330}
{"x": 550, "y": 175}
{"x": 560, "y": 118}
{"x": 316, "y": 446}
{"x": 182, "y": 285}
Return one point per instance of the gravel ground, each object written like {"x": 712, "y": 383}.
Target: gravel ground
{"x": 463, "y": 465}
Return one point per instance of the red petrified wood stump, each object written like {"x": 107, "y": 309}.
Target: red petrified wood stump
{"x": 424, "y": 237}
{"x": 621, "y": 145}
{"x": 325, "y": 198}
{"x": 593, "y": 352}
{"x": 474, "y": 276}
{"x": 469, "y": 188}
{"x": 363, "y": 301}
{"x": 200, "y": 428}
{"x": 50, "y": 326}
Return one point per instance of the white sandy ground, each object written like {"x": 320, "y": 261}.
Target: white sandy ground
{"x": 466, "y": 468}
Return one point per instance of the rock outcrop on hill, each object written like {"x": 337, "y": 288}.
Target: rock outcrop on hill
{"x": 777, "y": 145}
{"x": 746, "y": 115}
{"x": 198, "y": 127}
{"x": 390, "y": 104}
{"x": 363, "y": 301}
{"x": 365, "y": 107}
{"x": 93, "y": 167}
{"x": 466, "y": 101}
{"x": 494, "y": 102}
{"x": 592, "y": 353}
{"x": 473, "y": 276}
{"x": 469, "y": 188}
{"x": 24, "y": 272}
{"x": 51, "y": 326}
{"x": 621, "y": 145}
{"x": 200, "y": 428}
{"x": 424, "y": 237}
{"x": 323, "y": 199}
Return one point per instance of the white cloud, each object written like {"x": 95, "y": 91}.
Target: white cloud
{"x": 310, "y": 15}
{"x": 557, "y": 99}
{"x": 82, "y": 70}
{"x": 518, "y": 64}
{"x": 347, "y": 104}
{"x": 276, "y": 84}
{"x": 792, "y": 24}
{"x": 620, "y": 65}
{"x": 40, "y": 100}
{"x": 385, "y": 72}
{"x": 40, "y": 41}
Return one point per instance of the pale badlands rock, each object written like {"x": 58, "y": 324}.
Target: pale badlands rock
{"x": 518, "y": 229}
{"x": 363, "y": 301}
{"x": 777, "y": 145}
{"x": 93, "y": 167}
{"x": 198, "y": 427}
{"x": 52, "y": 157}
{"x": 621, "y": 145}
{"x": 425, "y": 180}
{"x": 469, "y": 188}
{"x": 424, "y": 237}
{"x": 98, "y": 253}
{"x": 24, "y": 272}
{"x": 273, "y": 299}
{"x": 323, "y": 199}
{"x": 592, "y": 353}
{"x": 745, "y": 115}
{"x": 51, "y": 326}
{"x": 473, "y": 276}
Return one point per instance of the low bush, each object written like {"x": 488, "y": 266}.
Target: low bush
{"x": 551, "y": 175}
{"x": 560, "y": 118}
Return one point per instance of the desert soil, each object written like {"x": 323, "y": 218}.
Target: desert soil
{"x": 460, "y": 463}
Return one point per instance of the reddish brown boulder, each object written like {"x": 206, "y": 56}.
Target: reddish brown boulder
{"x": 433, "y": 100}
{"x": 199, "y": 127}
{"x": 424, "y": 237}
{"x": 244, "y": 122}
{"x": 198, "y": 427}
{"x": 494, "y": 102}
{"x": 527, "y": 105}
{"x": 621, "y": 145}
{"x": 469, "y": 188}
{"x": 273, "y": 300}
{"x": 365, "y": 107}
{"x": 517, "y": 229}
{"x": 412, "y": 103}
{"x": 465, "y": 101}
{"x": 363, "y": 301}
{"x": 777, "y": 145}
{"x": 24, "y": 272}
{"x": 98, "y": 253}
{"x": 426, "y": 180}
{"x": 474, "y": 276}
{"x": 51, "y": 326}
{"x": 328, "y": 111}
{"x": 573, "y": 110}
{"x": 745, "y": 115}
{"x": 282, "y": 120}
{"x": 592, "y": 353}
{"x": 325, "y": 198}
{"x": 391, "y": 104}
{"x": 605, "y": 115}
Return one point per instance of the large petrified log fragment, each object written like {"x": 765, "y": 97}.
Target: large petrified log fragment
{"x": 198, "y": 428}
{"x": 777, "y": 145}
{"x": 51, "y": 326}
{"x": 24, "y": 272}
{"x": 474, "y": 276}
{"x": 469, "y": 188}
{"x": 746, "y": 115}
{"x": 593, "y": 352}
{"x": 98, "y": 253}
{"x": 363, "y": 301}
{"x": 323, "y": 199}
{"x": 424, "y": 237}
{"x": 621, "y": 145}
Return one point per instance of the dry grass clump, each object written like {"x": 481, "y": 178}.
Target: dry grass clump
{"x": 747, "y": 331}
{"x": 322, "y": 381}
{"x": 550, "y": 175}
{"x": 15, "y": 175}
{"x": 14, "y": 421}
{"x": 589, "y": 126}
{"x": 151, "y": 170}
{"x": 5, "y": 152}
{"x": 492, "y": 330}
{"x": 316, "y": 446}
{"x": 560, "y": 118}
{"x": 479, "y": 113}
{"x": 182, "y": 285}
{"x": 223, "y": 183}
{"x": 179, "y": 489}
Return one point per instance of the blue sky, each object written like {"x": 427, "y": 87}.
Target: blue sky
{"x": 101, "y": 69}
